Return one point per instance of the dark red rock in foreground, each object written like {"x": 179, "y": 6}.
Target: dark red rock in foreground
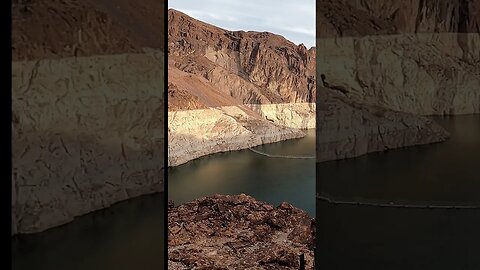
{"x": 238, "y": 232}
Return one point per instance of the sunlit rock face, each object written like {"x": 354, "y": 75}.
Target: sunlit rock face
{"x": 196, "y": 133}
{"x": 230, "y": 90}
{"x": 251, "y": 67}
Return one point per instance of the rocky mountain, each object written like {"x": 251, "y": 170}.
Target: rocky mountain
{"x": 230, "y": 90}
{"x": 250, "y": 67}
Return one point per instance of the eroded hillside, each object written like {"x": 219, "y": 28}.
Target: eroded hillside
{"x": 251, "y": 67}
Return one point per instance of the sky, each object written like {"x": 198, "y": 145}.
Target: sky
{"x": 293, "y": 19}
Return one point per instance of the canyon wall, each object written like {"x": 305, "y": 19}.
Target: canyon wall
{"x": 69, "y": 28}
{"x": 87, "y": 132}
{"x": 384, "y": 65}
{"x": 359, "y": 18}
{"x": 231, "y": 90}
{"x": 252, "y": 67}
{"x": 426, "y": 74}
{"x": 349, "y": 129}
{"x": 196, "y": 133}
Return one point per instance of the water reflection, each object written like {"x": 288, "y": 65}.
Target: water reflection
{"x": 365, "y": 237}
{"x": 438, "y": 173}
{"x": 128, "y": 235}
{"x": 273, "y": 180}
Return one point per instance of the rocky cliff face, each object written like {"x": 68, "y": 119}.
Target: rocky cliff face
{"x": 251, "y": 67}
{"x": 230, "y": 90}
{"x": 374, "y": 17}
{"x": 87, "y": 132}
{"x": 69, "y": 28}
{"x": 426, "y": 74}
{"x": 405, "y": 58}
{"x": 349, "y": 129}
{"x": 196, "y": 133}
{"x": 238, "y": 232}
{"x": 88, "y": 111}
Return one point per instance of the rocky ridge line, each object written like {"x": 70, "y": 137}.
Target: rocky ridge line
{"x": 251, "y": 67}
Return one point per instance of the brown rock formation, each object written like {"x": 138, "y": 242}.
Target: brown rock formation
{"x": 64, "y": 28}
{"x": 222, "y": 71}
{"x": 250, "y": 67}
{"x": 238, "y": 232}
{"x": 384, "y": 63}
{"x": 349, "y": 129}
{"x": 379, "y": 17}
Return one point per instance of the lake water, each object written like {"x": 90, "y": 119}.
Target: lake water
{"x": 273, "y": 180}
{"x": 128, "y": 235}
{"x": 364, "y": 237}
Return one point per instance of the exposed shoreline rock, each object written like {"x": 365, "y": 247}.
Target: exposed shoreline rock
{"x": 87, "y": 132}
{"x": 347, "y": 129}
{"x": 384, "y": 65}
{"x": 425, "y": 74}
{"x": 231, "y": 90}
{"x": 238, "y": 232}
{"x": 196, "y": 133}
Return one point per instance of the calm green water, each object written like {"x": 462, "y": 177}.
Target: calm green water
{"x": 273, "y": 180}
{"x": 363, "y": 237}
{"x": 129, "y": 235}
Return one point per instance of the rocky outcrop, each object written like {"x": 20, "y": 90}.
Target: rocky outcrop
{"x": 87, "y": 132}
{"x": 292, "y": 115}
{"x": 347, "y": 129}
{"x": 251, "y": 67}
{"x": 238, "y": 232}
{"x": 196, "y": 133}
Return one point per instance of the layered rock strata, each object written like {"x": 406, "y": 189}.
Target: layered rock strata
{"x": 383, "y": 65}
{"x": 251, "y": 67}
{"x": 238, "y": 232}
{"x": 426, "y": 74}
{"x": 348, "y": 18}
{"x": 349, "y": 129}
{"x": 70, "y": 28}
{"x": 87, "y": 105}
{"x": 230, "y": 90}
{"x": 87, "y": 132}
{"x": 196, "y": 133}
